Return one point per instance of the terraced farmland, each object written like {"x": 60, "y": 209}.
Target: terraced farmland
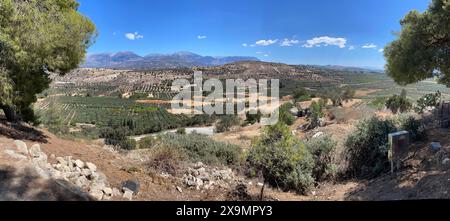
{"x": 112, "y": 111}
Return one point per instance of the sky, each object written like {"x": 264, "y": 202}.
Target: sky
{"x": 320, "y": 32}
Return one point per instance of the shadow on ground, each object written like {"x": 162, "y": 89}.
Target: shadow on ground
{"x": 21, "y": 131}
{"x": 404, "y": 187}
{"x": 25, "y": 185}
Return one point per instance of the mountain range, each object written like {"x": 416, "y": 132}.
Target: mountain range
{"x": 130, "y": 60}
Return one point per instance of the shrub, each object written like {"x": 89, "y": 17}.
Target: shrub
{"x": 339, "y": 94}
{"x": 226, "y": 122}
{"x": 398, "y": 103}
{"x": 165, "y": 158}
{"x": 283, "y": 161}
{"x": 147, "y": 142}
{"x": 202, "y": 148}
{"x": 426, "y": 101}
{"x": 118, "y": 137}
{"x": 285, "y": 115}
{"x": 322, "y": 150}
{"x": 302, "y": 95}
{"x": 253, "y": 118}
{"x": 412, "y": 125}
{"x": 366, "y": 148}
{"x": 181, "y": 131}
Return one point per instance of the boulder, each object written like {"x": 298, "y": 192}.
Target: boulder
{"x": 115, "y": 192}
{"x": 35, "y": 150}
{"x": 79, "y": 163}
{"x": 61, "y": 161}
{"x": 21, "y": 147}
{"x": 91, "y": 166}
{"x": 108, "y": 191}
{"x": 128, "y": 195}
{"x": 132, "y": 185}
{"x": 15, "y": 155}
{"x": 82, "y": 182}
{"x": 97, "y": 194}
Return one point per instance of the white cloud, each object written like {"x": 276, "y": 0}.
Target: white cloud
{"x": 289, "y": 42}
{"x": 351, "y": 47}
{"x": 381, "y": 50}
{"x": 266, "y": 55}
{"x": 369, "y": 46}
{"x": 266, "y": 42}
{"x": 325, "y": 41}
{"x": 259, "y": 52}
{"x": 245, "y": 45}
{"x": 201, "y": 37}
{"x": 134, "y": 36}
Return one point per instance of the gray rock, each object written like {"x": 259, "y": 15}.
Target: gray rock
{"x": 116, "y": 192}
{"x": 82, "y": 182}
{"x": 435, "y": 146}
{"x": 21, "y": 147}
{"x": 132, "y": 185}
{"x": 128, "y": 195}
{"x": 108, "y": 191}
{"x": 91, "y": 166}
{"x": 86, "y": 172}
{"x": 97, "y": 194}
{"x": 79, "y": 163}
{"x": 15, "y": 155}
{"x": 446, "y": 161}
{"x": 61, "y": 161}
{"x": 35, "y": 150}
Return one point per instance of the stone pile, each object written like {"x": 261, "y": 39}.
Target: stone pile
{"x": 81, "y": 174}
{"x": 203, "y": 177}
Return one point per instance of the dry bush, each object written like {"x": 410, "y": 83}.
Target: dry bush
{"x": 165, "y": 159}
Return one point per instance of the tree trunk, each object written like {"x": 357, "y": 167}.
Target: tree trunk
{"x": 261, "y": 196}
{"x": 10, "y": 113}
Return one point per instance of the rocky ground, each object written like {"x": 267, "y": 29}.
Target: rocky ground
{"x": 36, "y": 165}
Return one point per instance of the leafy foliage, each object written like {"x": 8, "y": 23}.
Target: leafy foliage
{"x": 302, "y": 95}
{"x": 226, "y": 122}
{"x": 366, "y": 147}
{"x": 283, "y": 161}
{"x": 412, "y": 125}
{"x": 118, "y": 137}
{"x": 37, "y": 37}
{"x": 253, "y": 118}
{"x": 397, "y": 103}
{"x": 322, "y": 150}
{"x": 285, "y": 115}
{"x": 422, "y": 48}
{"x": 428, "y": 100}
{"x": 338, "y": 95}
{"x": 202, "y": 148}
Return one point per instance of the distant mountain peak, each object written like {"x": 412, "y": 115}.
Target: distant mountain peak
{"x": 181, "y": 59}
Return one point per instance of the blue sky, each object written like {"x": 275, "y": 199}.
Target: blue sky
{"x": 344, "y": 32}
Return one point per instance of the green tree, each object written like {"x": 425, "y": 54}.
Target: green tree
{"x": 226, "y": 122}
{"x": 399, "y": 103}
{"x": 426, "y": 101}
{"x": 282, "y": 159}
{"x": 338, "y": 95}
{"x": 285, "y": 115}
{"x": 38, "y": 37}
{"x": 423, "y": 46}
